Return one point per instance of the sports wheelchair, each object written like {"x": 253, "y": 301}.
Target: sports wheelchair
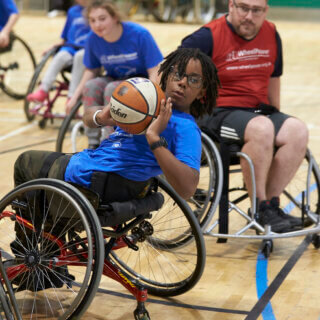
{"x": 221, "y": 185}
{"x": 57, "y": 93}
{"x": 17, "y": 64}
{"x": 65, "y": 242}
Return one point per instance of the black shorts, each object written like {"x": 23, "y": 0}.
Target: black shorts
{"x": 229, "y": 124}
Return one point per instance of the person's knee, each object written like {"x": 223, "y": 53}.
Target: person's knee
{"x": 294, "y": 131}
{"x": 261, "y": 131}
{"x": 110, "y": 87}
{"x": 93, "y": 93}
{"x": 78, "y": 57}
{"x": 20, "y": 167}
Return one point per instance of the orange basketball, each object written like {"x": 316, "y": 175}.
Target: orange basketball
{"x": 135, "y": 103}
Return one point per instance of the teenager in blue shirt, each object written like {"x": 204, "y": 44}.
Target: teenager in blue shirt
{"x": 74, "y": 35}
{"x": 8, "y": 17}
{"x": 122, "y": 49}
{"x": 190, "y": 82}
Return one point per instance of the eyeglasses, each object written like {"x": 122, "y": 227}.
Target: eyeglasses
{"x": 243, "y": 10}
{"x": 194, "y": 80}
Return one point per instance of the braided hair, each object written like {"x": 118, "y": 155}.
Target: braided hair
{"x": 180, "y": 59}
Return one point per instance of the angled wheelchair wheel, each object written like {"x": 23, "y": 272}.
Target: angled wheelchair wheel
{"x": 163, "y": 11}
{"x": 303, "y": 190}
{"x": 207, "y": 10}
{"x": 17, "y": 66}
{"x": 71, "y": 136}
{"x": 171, "y": 258}
{"x": 207, "y": 196}
{"x": 57, "y": 93}
{"x": 52, "y": 249}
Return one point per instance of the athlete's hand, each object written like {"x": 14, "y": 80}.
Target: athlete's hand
{"x": 161, "y": 122}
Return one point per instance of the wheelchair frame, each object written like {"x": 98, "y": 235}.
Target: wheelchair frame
{"x": 99, "y": 256}
{"x": 15, "y": 64}
{"x": 59, "y": 89}
{"x": 302, "y": 201}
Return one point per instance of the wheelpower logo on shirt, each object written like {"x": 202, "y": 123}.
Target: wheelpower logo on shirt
{"x": 248, "y": 55}
{"x": 119, "y": 58}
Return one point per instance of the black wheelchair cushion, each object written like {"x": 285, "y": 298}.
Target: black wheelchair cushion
{"x": 119, "y": 212}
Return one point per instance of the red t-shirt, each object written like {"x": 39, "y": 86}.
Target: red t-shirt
{"x": 244, "y": 67}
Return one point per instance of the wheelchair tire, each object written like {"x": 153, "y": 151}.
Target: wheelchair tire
{"x": 35, "y": 80}
{"x": 21, "y": 62}
{"x": 5, "y": 308}
{"x": 63, "y": 143}
{"x": 170, "y": 261}
{"x": 291, "y": 200}
{"x": 207, "y": 196}
{"x": 53, "y": 207}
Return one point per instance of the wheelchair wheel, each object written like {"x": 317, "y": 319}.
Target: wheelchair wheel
{"x": 171, "y": 259}
{"x": 17, "y": 65}
{"x": 207, "y": 196}
{"x": 207, "y": 8}
{"x": 59, "y": 89}
{"x": 55, "y": 262}
{"x": 162, "y": 11}
{"x": 304, "y": 188}
{"x": 5, "y": 308}
{"x": 71, "y": 136}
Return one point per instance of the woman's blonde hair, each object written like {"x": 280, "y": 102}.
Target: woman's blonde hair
{"x": 108, "y": 5}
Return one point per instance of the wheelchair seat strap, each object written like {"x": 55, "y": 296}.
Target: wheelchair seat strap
{"x": 52, "y": 157}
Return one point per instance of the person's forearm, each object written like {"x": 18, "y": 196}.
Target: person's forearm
{"x": 10, "y": 23}
{"x": 153, "y": 74}
{"x": 101, "y": 119}
{"x": 180, "y": 176}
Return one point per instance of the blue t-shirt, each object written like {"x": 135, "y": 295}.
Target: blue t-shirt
{"x": 134, "y": 53}
{"x": 7, "y": 8}
{"x": 130, "y": 155}
{"x": 76, "y": 29}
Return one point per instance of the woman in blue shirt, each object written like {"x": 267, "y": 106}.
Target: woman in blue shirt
{"x": 74, "y": 35}
{"x": 122, "y": 49}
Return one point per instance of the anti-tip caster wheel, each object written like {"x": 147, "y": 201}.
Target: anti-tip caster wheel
{"x": 267, "y": 248}
{"x": 316, "y": 241}
{"x": 42, "y": 123}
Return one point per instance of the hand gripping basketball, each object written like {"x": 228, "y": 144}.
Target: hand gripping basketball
{"x": 135, "y": 103}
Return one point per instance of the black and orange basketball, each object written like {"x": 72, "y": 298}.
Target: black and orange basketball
{"x": 135, "y": 103}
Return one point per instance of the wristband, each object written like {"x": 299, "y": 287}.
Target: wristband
{"x": 94, "y": 118}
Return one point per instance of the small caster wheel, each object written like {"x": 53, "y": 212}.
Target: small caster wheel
{"x": 267, "y": 248}
{"x": 316, "y": 241}
{"x": 141, "y": 312}
{"x": 42, "y": 123}
{"x": 141, "y": 315}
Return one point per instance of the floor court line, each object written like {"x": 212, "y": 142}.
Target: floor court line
{"x": 276, "y": 283}
{"x": 17, "y": 131}
{"x": 174, "y": 304}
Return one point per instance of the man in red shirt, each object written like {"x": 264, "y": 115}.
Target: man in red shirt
{"x": 247, "y": 51}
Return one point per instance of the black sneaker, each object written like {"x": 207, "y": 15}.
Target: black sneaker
{"x": 294, "y": 221}
{"x": 268, "y": 216}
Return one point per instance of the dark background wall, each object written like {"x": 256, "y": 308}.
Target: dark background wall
{"x": 295, "y": 3}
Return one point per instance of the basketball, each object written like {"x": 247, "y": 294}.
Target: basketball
{"x": 135, "y": 103}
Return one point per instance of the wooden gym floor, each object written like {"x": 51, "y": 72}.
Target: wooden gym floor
{"x": 236, "y": 273}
